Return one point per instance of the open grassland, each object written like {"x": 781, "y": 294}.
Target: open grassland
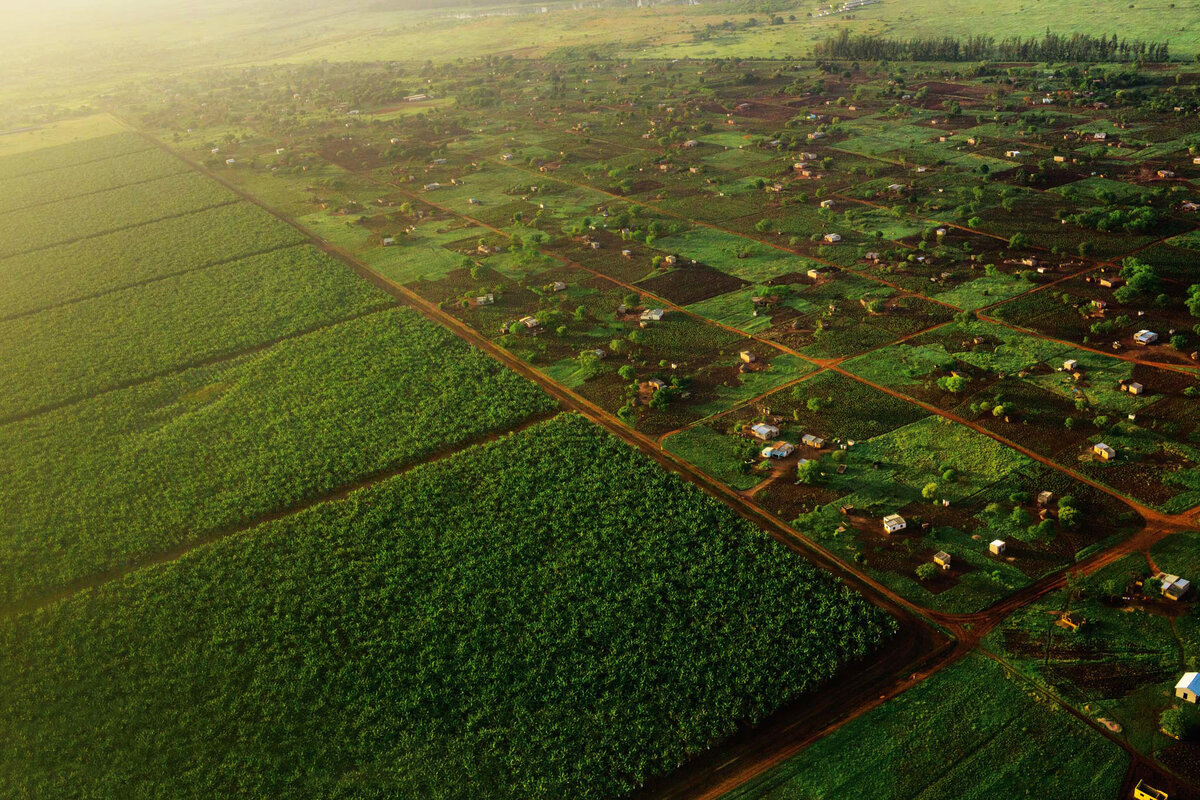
{"x": 137, "y": 471}
{"x": 971, "y": 731}
{"x": 500, "y": 623}
{"x": 150, "y": 330}
{"x": 61, "y": 274}
{"x": 104, "y": 212}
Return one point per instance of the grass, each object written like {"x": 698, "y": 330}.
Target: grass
{"x": 970, "y": 731}
{"x": 715, "y": 453}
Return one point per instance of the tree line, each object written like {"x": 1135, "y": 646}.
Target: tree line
{"x": 1049, "y": 47}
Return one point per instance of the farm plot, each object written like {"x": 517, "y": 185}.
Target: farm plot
{"x": 1118, "y": 660}
{"x": 954, "y": 737}
{"x": 63, "y": 273}
{"x": 734, "y": 255}
{"x": 71, "y": 154}
{"x": 137, "y": 471}
{"x": 496, "y": 684}
{"x": 82, "y": 179}
{"x": 138, "y": 333}
{"x": 108, "y": 211}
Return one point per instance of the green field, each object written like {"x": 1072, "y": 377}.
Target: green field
{"x": 136, "y": 334}
{"x": 137, "y": 471}
{"x": 971, "y": 731}
{"x": 499, "y": 623}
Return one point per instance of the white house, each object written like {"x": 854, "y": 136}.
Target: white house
{"x": 1070, "y": 364}
{"x": 485, "y": 299}
{"x": 778, "y": 450}
{"x": 1188, "y": 687}
{"x": 1145, "y": 337}
{"x": 558, "y": 286}
{"x": 764, "y": 431}
{"x": 826, "y": 204}
{"x": 388, "y": 241}
{"x": 812, "y": 441}
{"x": 816, "y": 274}
{"x": 652, "y": 315}
{"x": 998, "y": 547}
{"x": 893, "y": 523}
{"x": 833, "y": 238}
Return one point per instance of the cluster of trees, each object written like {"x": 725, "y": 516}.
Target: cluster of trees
{"x": 1050, "y": 47}
{"x": 1129, "y": 220}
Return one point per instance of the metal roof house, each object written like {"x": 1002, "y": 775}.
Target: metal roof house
{"x": 1145, "y": 337}
{"x": 652, "y": 315}
{"x": 893, "y": 523}
{"x": 764, "y": 431}
{"x": 1188, "y": 688}
{"x": 1174, "y": 587}
{"x": 778, "y": 450}
{"x": 1105, "y": 452}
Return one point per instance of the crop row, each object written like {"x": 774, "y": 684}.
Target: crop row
{"x": 546, "y": 616}
{"x": 67, "y": 272}
{"x": 103, "y": 212}
{"x": 970, "y": 732}
{"x": 137, "y": 471}
{"x": 137, "y": 333}
{"x": 71, "y": 154}
{"x": 94, "y": 176}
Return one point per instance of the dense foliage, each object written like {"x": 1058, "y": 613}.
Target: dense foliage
{"x": 149, "y": 330}
{"x": 71, "y": 271}
{"x": 136, "y": 471}
{"x": 548, "y": 616}
{"x": 1050, "y": 47}
{"x": 103, "y": 212}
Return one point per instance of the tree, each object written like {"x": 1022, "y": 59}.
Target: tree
{"x": 1018, "y": 241}
{"x": 815, "y": 404}
{"x": 1152, "y": 587}
{"x": 808, "y": 472}
{"x": 1173, "y": 723}
{"x": 930, "y": 491}
{"x": 927, "y": 571}
{"x": 1019, "y": 517}
{"x": 952, "y": 383}
{"x": 627, "y": 372}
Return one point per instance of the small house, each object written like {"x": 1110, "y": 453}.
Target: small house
{"x": 652, "y": 315}
{"x": 671, "y": 260}
{"x": 894, "y": 523}
{"x": 690, "y": 143}
{"x": 942, "y": 559}
{"x": 1059, "y": 159}
{"x": 1165, "y": 173}
{"x": 1105, "y": 452}
{"x": 1144, "y": 791}
{"x": 808, "y": 440}
{"x": 1145, "y": 337}
{"x": 1070, "y": 364}
{"x": 558, "y": 286}
{"x": 1174, "y": 587}
{"x": 1044, "y": 498}
{"x": 816, "y": 274}
{"x": 833, "y": 238}
{"x": 388, "y": 241}
{"x": 530, "y": 323}
{"x": 627, "y": 254}
{"x": 229, "y": 162}
{"x": 747, "y": 357}
{"x": 764, "y": 431}
{"x": 485, "y": 299}
{"x": 432, "y": 187}
{"x": 826, "y": 204}
{"x": 778, "y": 450}
{"x": 997, "y": 547}
{"x": 1188, "y": 688}
{"x": 656, "y": 384}
{"x": 1133, "y": 387}
{"x": 1011, "y": 153}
